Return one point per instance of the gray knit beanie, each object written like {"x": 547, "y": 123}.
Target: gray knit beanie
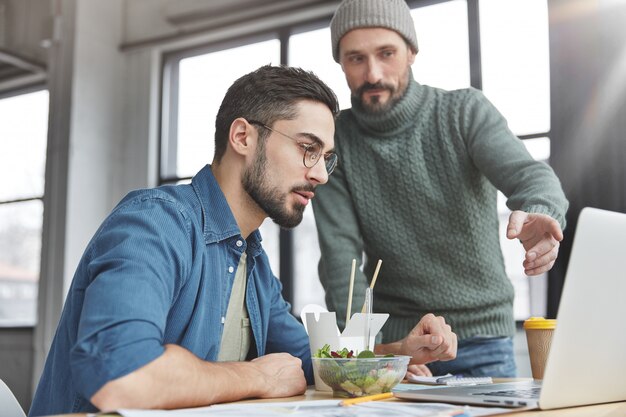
{"x": 355, "y": 14}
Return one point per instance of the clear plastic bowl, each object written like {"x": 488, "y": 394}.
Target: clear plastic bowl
{"x": 354, "y": 377}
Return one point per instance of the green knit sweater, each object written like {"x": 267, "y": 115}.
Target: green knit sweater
{"x": 416, "y": 187}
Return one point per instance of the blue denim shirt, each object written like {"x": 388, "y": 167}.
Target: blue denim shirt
{"x": 156, "y": 272}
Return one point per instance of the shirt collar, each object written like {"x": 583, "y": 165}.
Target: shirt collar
{"x": 218, "y": 220}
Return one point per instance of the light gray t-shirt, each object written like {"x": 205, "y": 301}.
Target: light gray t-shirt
{"x": 236, "y": 336}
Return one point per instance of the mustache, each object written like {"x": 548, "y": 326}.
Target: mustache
{"x": 378, "y": 86}
{"x": 304, "y": 187}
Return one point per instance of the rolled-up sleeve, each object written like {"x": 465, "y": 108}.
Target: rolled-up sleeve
{"x": 138, "y": 261}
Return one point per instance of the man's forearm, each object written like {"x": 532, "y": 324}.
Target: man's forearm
{"x": 179, "y": 379}
{"x": 387, "y": 348}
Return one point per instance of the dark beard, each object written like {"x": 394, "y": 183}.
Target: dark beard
{"x": 269, "y": 199}
{"x": 375, "y": 106}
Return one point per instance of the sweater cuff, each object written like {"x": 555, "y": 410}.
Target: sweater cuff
{"x": 555, "y": 214}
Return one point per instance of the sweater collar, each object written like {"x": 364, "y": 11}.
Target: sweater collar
{"x": 394, "y": 121}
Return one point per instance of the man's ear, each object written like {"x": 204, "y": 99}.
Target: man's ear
{"x": 411, "y": 54}
{"x": 242, "y": 137}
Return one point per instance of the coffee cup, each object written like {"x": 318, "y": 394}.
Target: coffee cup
{"x": 539, "y": 337}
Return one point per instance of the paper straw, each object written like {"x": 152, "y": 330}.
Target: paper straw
{"x": 349, "y": 309}
{"x": 380, "y": 262}
{"x": 368, "y": 315}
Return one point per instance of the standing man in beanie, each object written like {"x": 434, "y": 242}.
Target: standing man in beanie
{"x": 174, "y": 303}
{"x": 416, "y": 187}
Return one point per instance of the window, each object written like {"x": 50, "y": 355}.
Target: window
{"x": 198, "y": 84}
{"x": 516, "y": 79}
{"x": 530, "y": 292}
{"x": 202, "y": 83}
{"x": 512, "y": 70}
{"x": 442, "y": 38}
{"x": 311, "y": 50}
{"x": 515, "y": 62}
{"x": 23, "y": 137}
{"x": 444, "y": 47}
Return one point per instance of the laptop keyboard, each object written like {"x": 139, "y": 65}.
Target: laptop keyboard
{"x": 518, "y": 393}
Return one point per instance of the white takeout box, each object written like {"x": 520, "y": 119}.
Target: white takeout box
{"x": 321, "y": 326}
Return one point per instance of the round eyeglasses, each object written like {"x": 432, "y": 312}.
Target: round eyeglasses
{"x": 312, "y": 151}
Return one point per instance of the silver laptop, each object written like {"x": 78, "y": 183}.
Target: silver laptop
{"x": 587, "y": 359}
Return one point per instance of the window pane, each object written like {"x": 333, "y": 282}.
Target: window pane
{"x": 515, "y": 61}
{"x": 539, "y": 148}
{"x": 203, "y": 82}
{"x": 23, "y": 136}
{"x": 524, "y": 305}
{"x": 443, "y": 61}
{"x": 442, "y": 38}
{"x": 311, "y": 51}
{"x": 270, "y": 233}
{"x": 20, "y": 254}
{"x": 513, "y": 253}
{"x": 307, "y": 286}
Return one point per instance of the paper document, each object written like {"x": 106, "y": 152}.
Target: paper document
{"x": 320, "y": 408}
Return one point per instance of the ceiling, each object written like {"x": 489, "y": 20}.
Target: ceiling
{"x": 147, "y": 20}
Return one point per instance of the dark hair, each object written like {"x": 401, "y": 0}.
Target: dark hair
{"x": 267, "y": 95}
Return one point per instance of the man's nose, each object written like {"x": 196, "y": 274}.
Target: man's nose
{"x": 374, "y": 71}
{"x": 317, "y": 173}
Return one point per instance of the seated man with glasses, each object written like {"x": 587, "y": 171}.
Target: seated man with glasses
{"x": 173, "y": 303}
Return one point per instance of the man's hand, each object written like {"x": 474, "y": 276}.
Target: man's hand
{"x": 540, "y": 234}
{"x": 430, "y": 340}
{"x": 281, "y": 375}
{"x": 418, "y": 370}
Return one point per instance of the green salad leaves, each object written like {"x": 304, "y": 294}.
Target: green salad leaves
{"x": 325, "y": 352}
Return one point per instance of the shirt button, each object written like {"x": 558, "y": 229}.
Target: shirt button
{"x": 231, "y": 269}
{"x": 239, "y": 243}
